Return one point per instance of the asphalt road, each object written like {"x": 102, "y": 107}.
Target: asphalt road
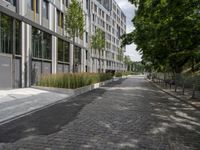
{"x": 127, "y": 114}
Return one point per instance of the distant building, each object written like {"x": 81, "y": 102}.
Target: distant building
{"x": 33, "y": 40}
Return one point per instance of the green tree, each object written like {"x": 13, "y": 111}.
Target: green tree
{"x": 74, "y": 25}
{"x": 120, "y": 54}
{"x": 166, "y": 33}
{"x": 98, "y": 43}
{"x": 128, "y": 62}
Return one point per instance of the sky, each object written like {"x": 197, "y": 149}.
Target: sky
{"x": 129, "y": 11}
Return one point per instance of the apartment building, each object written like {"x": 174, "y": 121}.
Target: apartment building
{"x": 33, "y": 40}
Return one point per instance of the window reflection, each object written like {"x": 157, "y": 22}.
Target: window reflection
{"x": 41, "y": 44}
{"x": 45, "y": 9}
{"x": 6, "y": 34}
{"x": 77, "y": 55}
{"x": 63, "y": 51}
{"x": 8, "y": 26}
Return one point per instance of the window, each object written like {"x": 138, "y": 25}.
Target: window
{"x": 63, "y": 51}
{"x": 60, "y": 18}
{"x": 99, "y": 12}
{"x": 13, "y": 2}
{"x": 33, "y": 4}
{"x": 41, "y": 44}
{"x": 77, "y": 55}
{"x": 86, "y": 54}
{"x": 45, "y": 9}
{"x": 6, "y": 34}
{"x": 87, "y": 4}
{"x": 18, "y": 37}
{"x": 9, "y": 35}
{"x": 86, "y": 37}
{"x": 102, "y": 14}
{"x": 95, "y": 7}
{"x": 67, "y": 3}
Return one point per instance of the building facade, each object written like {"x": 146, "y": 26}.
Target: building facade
{"x": 33, "y": 40}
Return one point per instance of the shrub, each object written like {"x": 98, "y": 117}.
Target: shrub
{"x": 118, "y": 74}
{"x": 75, "y": 80}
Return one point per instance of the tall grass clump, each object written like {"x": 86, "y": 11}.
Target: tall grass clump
{"x": 72, "y": 81}
{"x": 118, "y": 74}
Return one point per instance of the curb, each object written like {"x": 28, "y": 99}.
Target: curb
{"x": 174, "y": 96}
{"x": 73, "y": 94}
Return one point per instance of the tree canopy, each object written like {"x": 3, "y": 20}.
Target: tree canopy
{"x": 98, "y": 40}
{"x": 74, "y": 20}
{"x": 98, "y": 43}
{"x": 74, "y": 26}
{"x": 167, "y": 33}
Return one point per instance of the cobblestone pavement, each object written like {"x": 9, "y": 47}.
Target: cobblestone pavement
{"x": 124, "y": 115}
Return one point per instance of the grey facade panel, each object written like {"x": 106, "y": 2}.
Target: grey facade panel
{"x": 46, "y": 68}
{"x": 60, "y": 68}
{"x": 17, "y": 73}
{"x": 5, "y": 72}
{"x": 66, "y": 68}
{"x": 36, "y": 71}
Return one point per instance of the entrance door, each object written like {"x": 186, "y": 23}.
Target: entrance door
{"x": 5, "y": 71}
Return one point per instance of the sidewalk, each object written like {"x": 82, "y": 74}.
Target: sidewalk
{"x": 187, "y": 97}
{"x": 18, "y": 102}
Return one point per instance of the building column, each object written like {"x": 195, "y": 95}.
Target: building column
{"x": 26, "y": 37}
{"x": 54, "y": 54}
{"x": 21, "y": 7}
{"x": 28, "y": 56}
{"x": 23, "y": 31}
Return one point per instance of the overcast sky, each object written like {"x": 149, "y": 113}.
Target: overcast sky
{"x": 128, "y": 9}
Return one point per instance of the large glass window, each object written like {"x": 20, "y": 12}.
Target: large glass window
{"x": 6, "y": 34}
{"x": 18, "y": 37}
{"x": 45, "y": 9}
{"x": 41, "y": 44}
{"x": 63, "y": 51}
{"x": 77, "y": 55}
{"x": 9, "y": 35}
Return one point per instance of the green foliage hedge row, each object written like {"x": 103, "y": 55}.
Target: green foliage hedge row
{"x": 72, "y": 81}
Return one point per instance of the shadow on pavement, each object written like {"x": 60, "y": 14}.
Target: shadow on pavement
{"x": 48, "y": 120}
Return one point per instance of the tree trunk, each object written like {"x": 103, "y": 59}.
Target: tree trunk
{"x": 73, "y": 51}
{"x": 99, "y": 62}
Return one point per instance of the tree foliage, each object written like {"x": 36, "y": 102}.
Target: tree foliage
{"x": 98, "y": 43}
{"x": 98, "y": 40}
{"x": 120, "y": 55}
{"x": 74, "y": 26}
{"x": 74, "y": 19}
{"x": 167, "y": 33}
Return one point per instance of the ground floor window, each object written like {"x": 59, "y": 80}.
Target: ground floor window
{"x": 63, "y": 51}
{"x": 77, "y": 55}
{"x": 41, "y": 44}
{"x": 10, "y": 35}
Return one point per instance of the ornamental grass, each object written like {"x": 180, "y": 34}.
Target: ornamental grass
{"x": 72, "y": 80}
